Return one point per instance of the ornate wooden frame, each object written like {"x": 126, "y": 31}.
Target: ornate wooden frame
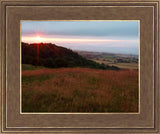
{"x": 145, "y": 121}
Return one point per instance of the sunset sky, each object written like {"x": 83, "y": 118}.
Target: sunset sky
{"x": 98, "y": 36}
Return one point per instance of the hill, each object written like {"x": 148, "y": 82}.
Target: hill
{"x": 53, "y": 56}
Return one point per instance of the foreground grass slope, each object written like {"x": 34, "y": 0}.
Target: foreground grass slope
{"x": 79, "y": 90}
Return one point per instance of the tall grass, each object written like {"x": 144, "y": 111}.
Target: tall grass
{"x": 79, "y": 90}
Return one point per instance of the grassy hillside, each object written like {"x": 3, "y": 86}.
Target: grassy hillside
{"x": 53, "y": 56}
{"x": 79, "y": 90}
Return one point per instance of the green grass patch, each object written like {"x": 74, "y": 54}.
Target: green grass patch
{"x": 31, "y": 67}
{"x": 39, "y": 78}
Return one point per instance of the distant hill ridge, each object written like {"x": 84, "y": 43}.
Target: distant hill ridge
{"x": 53, "y": 56}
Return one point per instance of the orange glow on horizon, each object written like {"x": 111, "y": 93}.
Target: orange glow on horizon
{"x": 39, "y": 39}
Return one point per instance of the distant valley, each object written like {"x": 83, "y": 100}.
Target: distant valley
{"x": 122, "y": 61}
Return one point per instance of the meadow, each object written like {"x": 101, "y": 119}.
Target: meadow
{"x": 119, "y": 65}
{"x": 79, "y": 89}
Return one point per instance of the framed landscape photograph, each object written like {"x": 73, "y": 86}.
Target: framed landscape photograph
{"x": 80, "y": 66}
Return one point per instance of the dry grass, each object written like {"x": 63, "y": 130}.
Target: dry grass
{"x": 79, "y": 90}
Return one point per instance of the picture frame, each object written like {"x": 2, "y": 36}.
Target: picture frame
{"x": 145, "y": 121}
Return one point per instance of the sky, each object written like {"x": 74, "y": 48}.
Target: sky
{"x": 98, "y": 36}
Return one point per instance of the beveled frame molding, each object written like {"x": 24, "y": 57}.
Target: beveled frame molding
{"x": 13, "y": 11}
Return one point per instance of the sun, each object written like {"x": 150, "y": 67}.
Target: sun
{"x": 38, "y": 38}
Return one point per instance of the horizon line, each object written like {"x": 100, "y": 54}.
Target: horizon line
{"x": 81, "y": 49}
